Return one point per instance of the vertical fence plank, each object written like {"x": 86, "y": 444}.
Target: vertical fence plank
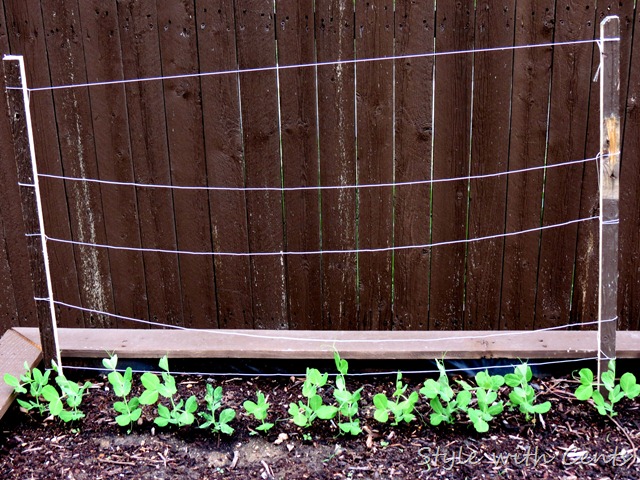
{"x": 295, "y": 34}
{"x": 629, "y": 287}
{"x": 182, "y": 97}
{"x": 489, "y": 154}
{"x": 113, "y": 154}
{"x": 569, "y": 103}
{"x": 15, "y": 281}
{"x": 336, "y": 127}
{"x": 534, "y": 23}
{"x": 584, "y": 307}
{"x": 138, "y": 27}
{"x": 257, "y": 48}
{"x": 225, "y": 161}
{"x": 374, "y": 94}
{"x": 79, "y": 159}
{"x": 83, "y": 284}
{"x": 454, "y": 32}
{"x": 414, "y": 31}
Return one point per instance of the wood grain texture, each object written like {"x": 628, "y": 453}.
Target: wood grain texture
{"x": 26, "y": 35}
{"x": 296, "y": 45}
{"x": 140, "y": 49}
{"x": 569, "y": 104}
{"x": 452, "y": 130}
{"x": 414, "y": 30}
{"x": 336, "y": 116}
{"x": 256, "y": 43}
{"x": 110, "y": 125}
{"x": 89, "y": 343}
{"x": 225, "y": 161}
{"x": 15, "y": 351}
{"x": 534, "y": 23}
{"x": 183, "y": 110}
{"x": 629, "y": 293}
{"x": 491, "y": 127}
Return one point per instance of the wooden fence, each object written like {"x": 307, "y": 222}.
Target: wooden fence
{"x": 346, "y": 124}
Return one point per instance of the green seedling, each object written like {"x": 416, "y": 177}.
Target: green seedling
{"x": 446, "y": 405}
{"x": 213, "y": 399}
{"x": 626, "y": 388}
{"x": 523, "y": 395}
{"x": 128, "y": 408}
{"x": 400, "y": 405}
{"x": 33, "y": 382}
{"x": 72, "y": 393}
{"x": 259, "y": 410}
{"x": 181, "y": 412}
{"x": 488, "y": 406}
{"x": 304, "y": 413}
{"x": 45, "y": 398}
{"x": 347, "y": 401}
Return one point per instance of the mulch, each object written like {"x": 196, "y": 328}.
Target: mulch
{"x": 571, "y": 442}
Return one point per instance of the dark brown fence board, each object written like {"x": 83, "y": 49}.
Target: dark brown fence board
{"x": 336, "y": 125}
{"x": 138, "y": 28}
{"x": 182, "y": 96}
{"x": 257, "y": 48}
{"x": 374, "y": 109}
{"x": 489, "y": 154}
{"x": 531, "y": 82}
{"x": 113, "y": 153}
{"x": 629, "y": 260}
{"x": 584, "y": 307}
{"x": 414, "y": 29}
{"x": 225, "y": 161}
{"x": 15, "y": 278}
{"x": 569, "y": 103}
{"x": 27, "y": 37}
{"x": 79, "y": 159}
{"x": 295, "y": 31}
{"x": 454, "y": 32}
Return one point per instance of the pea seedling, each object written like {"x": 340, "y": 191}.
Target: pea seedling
{"x": 213, "y": 399}
{"x": 259, "y": 410}
{"x": 626, "y": 388}
{"x": 400, "y": 405}
{"x": 304, "y": 413}
{"x": 488, "y": 406}
{"x": 444, "y": 403}
{"x": 128, "y": 408}
{"x": 523, "y": 395}
{"x": 347, "y": 401}
{"x": 181, "y": 413}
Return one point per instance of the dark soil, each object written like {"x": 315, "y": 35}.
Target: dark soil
{"x": 571, "y": 442}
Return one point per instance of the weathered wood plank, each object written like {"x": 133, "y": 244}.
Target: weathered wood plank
{"x": 182, "y": 98}
{"x": 527, "y": 147}
{"x": 629, "y": 285}
{"x": 225, "y": 161}
{"x": 110, "y": 131}
{"x": 296, "y": 45}
{"x": 26, "y": 34}
{"x": 138, "y": 27}
{"x": 256, "y": 42}
{"x": 489, "y": 154}
{"x": 15, "y": 350}
{"x": 414, "y": 27}
{"x": 374, "y": 109}
{"x": 336, "y": 111}
{"x": 78, "y": 158}
{"x": 569, "y": 104}
{"x": 92, "y": 343}
{"x": 452, "y": 130}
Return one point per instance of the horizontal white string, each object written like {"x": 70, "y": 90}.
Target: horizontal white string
{"x": 328, "y": 341}
{"x": 315, "y": 64}
{"x": 317, "y": 187}
{"x": 319, "y": 252}
{"x": 354, "y": 374}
